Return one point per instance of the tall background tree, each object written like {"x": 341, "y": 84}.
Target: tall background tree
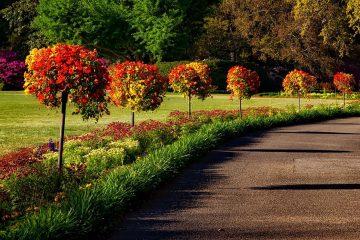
{"x": 220, "y": 38}
{"x": 21, "y": 36}
{"x": 154, "y": 23}
{"x": 317, "y": 36}
{"x": 353, "y": 12}
{"x": 98, "y": 23}
{"x": 4, "y": 25}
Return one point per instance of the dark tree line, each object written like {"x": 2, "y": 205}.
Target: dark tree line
{"x": 320, "y": 36}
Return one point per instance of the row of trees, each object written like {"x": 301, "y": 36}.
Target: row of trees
{"x": 61, "y": 72}
{"x": 300, "y": 83}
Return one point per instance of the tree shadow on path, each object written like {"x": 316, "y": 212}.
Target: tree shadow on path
{"x": 332, "y": 186}
{"x": 184, "y": 192}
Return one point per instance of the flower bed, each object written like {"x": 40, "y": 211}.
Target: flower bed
{"x": 92, "y": 206}
{"x": 29, "y": 175}
{"x": 18, "y": 160}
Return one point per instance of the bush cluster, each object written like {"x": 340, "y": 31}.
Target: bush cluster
{"x": 11, "y": 71}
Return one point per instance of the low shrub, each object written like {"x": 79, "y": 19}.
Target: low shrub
{"x": 31, "y": 191}
{"x": 102, "y": 159}
{"x": 11, "y": 71}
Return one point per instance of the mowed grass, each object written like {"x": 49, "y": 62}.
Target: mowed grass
{"x": 24, "y": 122}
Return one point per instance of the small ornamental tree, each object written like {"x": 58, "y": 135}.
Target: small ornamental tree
{"x": 298, "y": 82}
{"x": 137, "y": 86}
{"x": 61, "y": 72}
{"x": 242, "y": 83}
{"x": 344, "y": 83}
{"x": 191, "y": 80}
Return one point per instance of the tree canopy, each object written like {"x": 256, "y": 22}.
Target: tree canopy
{"x": 318, "y": 36}
{"x": 97, "y": 23}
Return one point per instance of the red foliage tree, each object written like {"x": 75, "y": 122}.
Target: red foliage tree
{"x": 344, "y": 82}
{"x": 61, "y": 72}
{"x": 242, "y": 83}
{"x": 299, "y": 82}
{"x": 187, "y": 80}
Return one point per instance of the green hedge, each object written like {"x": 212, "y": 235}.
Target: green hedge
{"x": 219, "y": 70}
{"x": 86, "y": 210}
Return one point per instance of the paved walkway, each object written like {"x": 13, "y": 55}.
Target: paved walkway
{"x": 299, "y": 182}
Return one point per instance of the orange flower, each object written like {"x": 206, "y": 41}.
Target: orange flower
{"x": 70, "y": 68}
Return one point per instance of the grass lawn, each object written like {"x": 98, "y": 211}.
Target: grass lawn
{"x": 24, "y": 122}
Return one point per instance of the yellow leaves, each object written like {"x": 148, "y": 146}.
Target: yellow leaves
{"x": 86, "y": 186}
{"x": 30, "y": 59}
{"x": 298, "y": 81}
{"x": 202, "y": 70}
{"x": 137, "y": 86}
{"x": 353, "y": 12}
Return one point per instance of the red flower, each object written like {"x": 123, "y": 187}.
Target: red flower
{"x": 70, "y": 68}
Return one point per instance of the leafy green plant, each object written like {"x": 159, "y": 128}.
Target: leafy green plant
{"x": 102, "y": 159}
{"x": 35, "y": 189}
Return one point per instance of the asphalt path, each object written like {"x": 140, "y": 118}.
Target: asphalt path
{"x": 298, "y": 182}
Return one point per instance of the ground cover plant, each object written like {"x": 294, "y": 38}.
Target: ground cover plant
{"x": 75, "y": 213}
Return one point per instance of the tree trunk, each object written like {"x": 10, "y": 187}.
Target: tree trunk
{"x": 299, "y": 100}
{"x": 232, "y": 56}
{"x": 64, "y": 98}
{"x": 189, "y": 106}
{"x": 132, "y": 119}
{"x": 240, "y": 109}
{"x": 344, "y": 99}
